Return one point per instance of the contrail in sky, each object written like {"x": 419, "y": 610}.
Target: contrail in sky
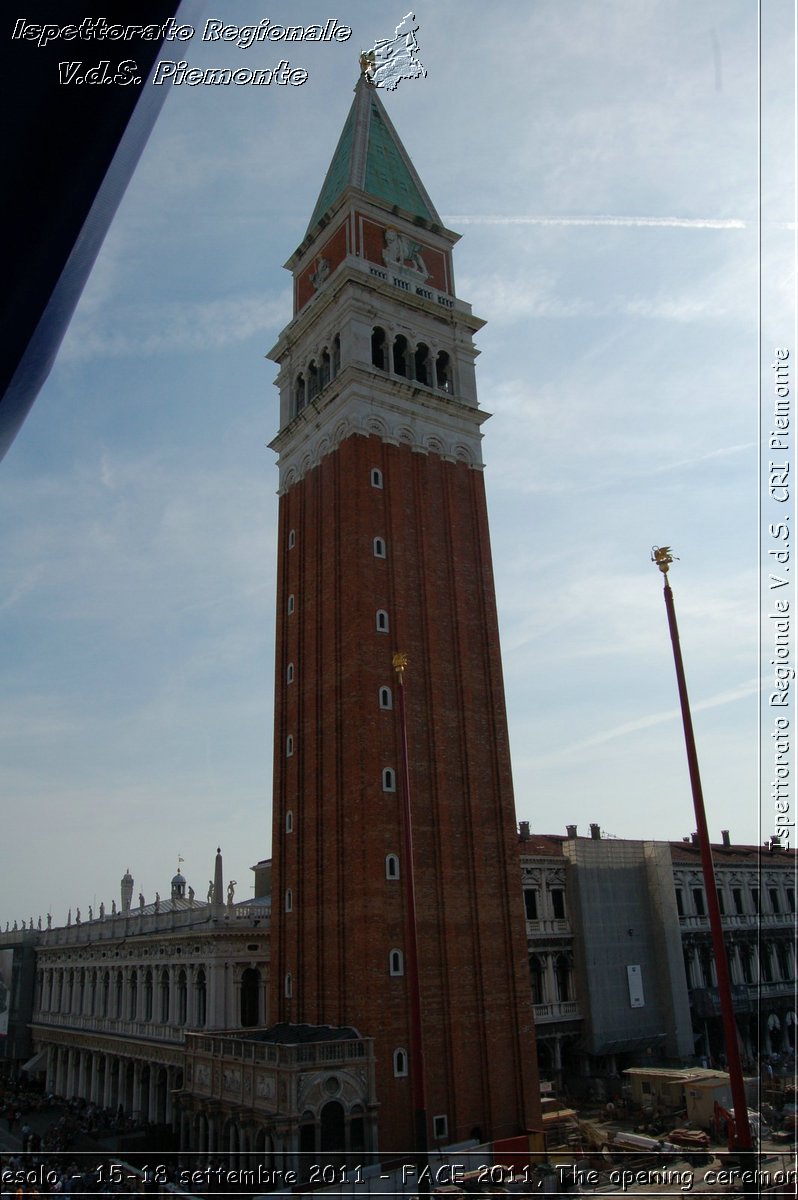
{"x": 668, "y": 222}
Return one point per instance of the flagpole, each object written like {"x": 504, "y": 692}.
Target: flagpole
{"x": 663, "y": 558}
{"x": 411, "y": 958}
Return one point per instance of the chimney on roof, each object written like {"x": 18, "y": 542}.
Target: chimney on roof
{"x": 523, "y": 831}
{"x": 570, "y": 830}
{"x": 694, "y": 838}
{"x": 595, "y": 831}
{"x": 724, "y": 835}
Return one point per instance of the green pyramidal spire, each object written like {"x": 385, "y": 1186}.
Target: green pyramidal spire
{"x": 370, "y": 156}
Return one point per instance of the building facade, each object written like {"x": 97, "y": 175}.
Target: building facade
{"x": 116, "y": 994}
{"x": 621, "y": 961}
{"x": 384, "y": 548}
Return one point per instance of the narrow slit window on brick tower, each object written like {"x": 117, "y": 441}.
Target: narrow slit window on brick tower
{"x": 289, "y": 608}
{"x": 379, "y": 547}
{"x": 389, "y": 780}
{"x": 291, "y": 539}
{"x": 382, "y": 621}
{"x": 289, "y": 746}
{"x": 400, "y": 1063}
{"x": 289, "y": 821}
{"x": 396, "y": 962}
{"x": 386, "y": 697}
{"x": 289, "y": 900}
{"x": 391, "y": 866}
{"x": 376, "y": 477}
{"x": 289, "y": 673}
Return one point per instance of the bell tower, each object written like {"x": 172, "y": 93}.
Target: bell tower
{"x": 384, "y": 547}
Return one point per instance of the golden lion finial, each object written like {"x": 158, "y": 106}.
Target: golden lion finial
{"x": 661, "y": 555}
{"x": 399, "y": 664}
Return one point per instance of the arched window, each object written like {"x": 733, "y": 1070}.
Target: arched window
{"x": 562, "y": 975}
{"x": 289, "y": 746}
{"x": 288, "y": 985}
{"x": 400, "y": 1063}
{"x": 326, "y": 368}
{"x": 765, "y": 963}
{"x": 164, "y": 989}
{"x": 250, "y": 997}
{"x": 118, "y": 1009}
{"x": 783, "y": 959}
{"x": 291, "y": 539}
{"x": 133, "y": 996}
{"x": 536, "y": 978}
{"x": 289, "y": 673}
{"x": 336, "y": 355}
{"x": 201, "y": 997}
{"x": 391, "y": 866}
{"x": 332, "y": 1122}
{"x": 396, "y": 963}
{"x": 389, "y": 780}
{"x": 289, "y": 822}
{"x": 93, "y": 995}
{"x": 289, "y": 607}
{"x": 386, "y": 697}
{"x": 299, "y": 394}
{"x": 401, "y": 357}
{"x": 379, "y": 348}
{"x": 421, "y": 360}
{"x": 289, "y": 900}
{"x": 443, "y": 372}
{"x": 313, "y": 380}
{"x": 379, "y": 547}
{"x": 376, "y": 477}
{"x": 382, "y": 621}
{"x": 106, "y": 993}
{"x": 148, "y": 996}
{"x": 182, "y": 998}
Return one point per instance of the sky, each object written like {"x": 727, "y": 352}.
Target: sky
{"x": 601, "y": 159}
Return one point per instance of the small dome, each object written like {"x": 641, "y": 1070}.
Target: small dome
{"x": 178, "y": 879}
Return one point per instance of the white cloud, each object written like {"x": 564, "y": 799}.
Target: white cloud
{"x": 166, "y": 327}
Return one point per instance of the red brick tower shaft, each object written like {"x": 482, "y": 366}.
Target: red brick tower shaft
{"x": 384, "y": 546}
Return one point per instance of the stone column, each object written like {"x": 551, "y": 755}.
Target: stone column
{"x": 73, "y": 1068}
{"x": 108, "y": 1098}
{"x": 152, "y": 1099}
{"x": 80, "y": 1074}
{"x": 549, "y": 981}
{"x": 169, "y": 1114}
{"x": 137, "y": 1105}
{"x": 50, "y": 1078}
{"x": 60, "y": 1070}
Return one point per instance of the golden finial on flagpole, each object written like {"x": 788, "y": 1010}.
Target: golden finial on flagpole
{"x": 399, "y": 664}
{"x": 661, "y": 555}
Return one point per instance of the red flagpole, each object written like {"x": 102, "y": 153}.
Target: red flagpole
{"x": 663, "y": 558}
{"x": 411, "y": 958}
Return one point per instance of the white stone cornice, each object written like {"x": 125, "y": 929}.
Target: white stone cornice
{"x": 397, "y": 411}
{"x": 370, "y": 280}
